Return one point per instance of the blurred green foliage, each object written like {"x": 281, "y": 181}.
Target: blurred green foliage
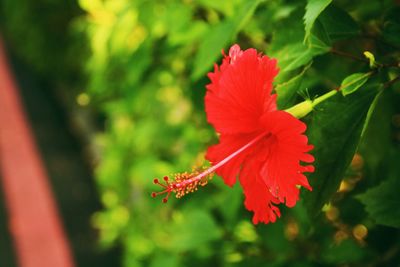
{"x": 146, "y": 75}
{"x": 39, "y": 33}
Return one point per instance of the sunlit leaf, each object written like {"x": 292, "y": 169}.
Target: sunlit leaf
{"x": 192, "y": 230}
{"x": 353, "y": 82}
{"x": 219, "y": 36}
{"x": 296, "y": 55}
{"x": 225, "y": 7}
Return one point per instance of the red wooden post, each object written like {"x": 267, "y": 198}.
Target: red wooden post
{"x": 35, "y": 225}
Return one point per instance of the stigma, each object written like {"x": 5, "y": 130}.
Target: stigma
{"x": 181, "y": 184}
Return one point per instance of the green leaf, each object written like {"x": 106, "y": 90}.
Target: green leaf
{"x": 287, "y": 31}
{"x": 391, "y": 27}
{"x": 229, "y": 201}
{"x": 334, "y": 129}
{"x": 193, "y": 229}
{"x": 319, "y": 38}
{"x": 219, "y": 36}
{"x": 346, "y": 252}
{"x": 225, "y": 7}
{"x": 338, "y": 23}
{"x": 288, "y": 48}
{"x": 293, "y": 56}
{"x": 163, "y": 259}
{"x": 382, "y": 201}
{"x": 313, "y": 10}
{"x": 377, "y": 137}
{"x": 296, "y": 55}
{"x": 288, "y": 91}
{"x": 274, "y": 237}
{"x": 192, "y": 33}
{"x": 371, "y": 59}
{"x": 353, "y": 82}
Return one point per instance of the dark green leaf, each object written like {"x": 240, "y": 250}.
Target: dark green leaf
{"x": 353, "y": 82}
{"x": 288, "y": 46}
{"x": 274, "y": 237}
{"x": 377, "y": 137}
{"x": 345, "y": 252}
{"x": 382, "y": 201}
{"x": 288, "y": 91}
{"x": 219, "y": 36}
{"x": 319, "y": 38}
{"x": 313, "y": 10}
{"x": 334, "y": 129}
{"x": 338, "y": 23}
{"x": 391, "y": 28}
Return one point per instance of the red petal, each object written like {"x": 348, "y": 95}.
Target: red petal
{"x": 281, "y": 170}
{"x": 257, "y": 195}
{"x": 240, "y": 91}
{"x": 227, "y": 145}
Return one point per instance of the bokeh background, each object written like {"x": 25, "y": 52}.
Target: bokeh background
{"x": 114, "y": 93}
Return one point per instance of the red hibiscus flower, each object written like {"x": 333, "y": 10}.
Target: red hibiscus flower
{"x": 258, "y": 144}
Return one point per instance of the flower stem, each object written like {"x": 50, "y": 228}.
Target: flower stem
{"x": 324, "y": 97}
{"x": 302, "y": 109}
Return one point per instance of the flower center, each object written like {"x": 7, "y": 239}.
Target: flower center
{"x": 184, "y": 183}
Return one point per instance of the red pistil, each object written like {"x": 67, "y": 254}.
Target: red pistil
{"x": 167, "y": 188}
{"x": 181, "y": 184}
{"x": 184, "y": 183}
